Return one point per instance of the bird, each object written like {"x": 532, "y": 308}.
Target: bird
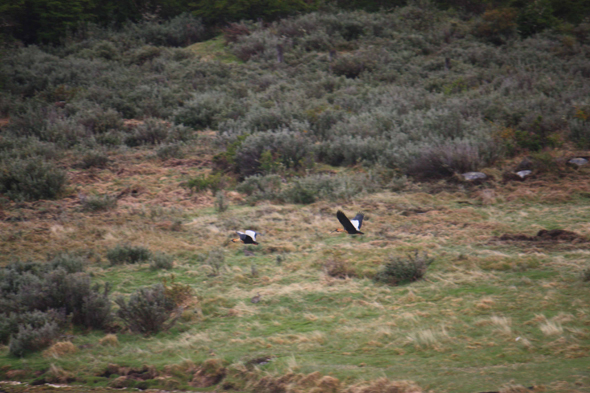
{"x": 353, "y": 226}
{"x": 256, "y": 298}
{"x": 248, "y": 237}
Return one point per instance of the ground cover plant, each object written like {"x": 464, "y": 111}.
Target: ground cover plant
{"x": 131, "y": 162}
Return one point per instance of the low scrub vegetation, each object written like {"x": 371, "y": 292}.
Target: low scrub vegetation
{"x": 147, "y": 311}
{"x": 400, "y": 270}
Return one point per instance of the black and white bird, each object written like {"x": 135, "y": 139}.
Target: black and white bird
{"x": 248, "y": 237}
{"x": 353, "y": 226}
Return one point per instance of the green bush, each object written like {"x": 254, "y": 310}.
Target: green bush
{"x": 161, "y": 260}
{"x": 147, "y": 311}
{"x": 93, "y": 159}
{"x": 213, "y": 182}
{"x": 31, "y": 179}
{"x": 398, "y": 270}
{"x": 124, "y": 253}
{"x": 30, "y": 339}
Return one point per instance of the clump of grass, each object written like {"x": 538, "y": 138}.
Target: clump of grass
{"x": 338, "y": 268}
{"x": 110, "y": 340}
{"x": 585, "y": 275}
{"x": 95, "y": 203}
{"x": 398, "y": 270}
{"x": 60, "y": 348}
{"x": 124, "y": 253}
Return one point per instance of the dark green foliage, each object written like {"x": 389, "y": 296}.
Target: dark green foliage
{"x": 31, "y": 179}
{"x": 147, "y": 311}
{"x": 399, "y": 270}
{"x": 219, "y": 11}
{"x": 124, "y": 253}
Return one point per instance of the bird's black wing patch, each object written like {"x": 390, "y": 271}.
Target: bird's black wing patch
{"x": 359, "y": 217}
{"x": 345, "y": 222}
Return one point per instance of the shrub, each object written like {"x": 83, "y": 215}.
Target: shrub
{"x": 161, "y": 260}
{"x": 96, "y": 309}
{"x": 70, "y": 263}
{"x": 176, "y": 291}
{"x": 497, "y": 25}
{"x": 203, "y": 110}
{"x": 172, "y": 150}
{"x": 261, "y": 187}
{"x": 147, "y": 311}
{"x": 31, "y": 179}
{"x": 150, "y": 132}
{"x": 293, "y": 150}
{"x": 182, "y": 30}
{"x": 446, "y": 159}
{"x": 215, "y": 260}
{"x": 30, "y": 339}
{"x": 93, "y": 159}
{"x": 213, "y": 182}
{"x": 221, "y": 202}
{"x": 580, "y": 132}
{"x": 94, "y": 203}
{"x": 10, "y": 322}
{"x": 585, "y": 275}
{"x": 396, "y": 270}
{"x": 124, "y": 253}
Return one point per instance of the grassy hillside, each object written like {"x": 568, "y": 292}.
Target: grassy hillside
{"x": 115, "y": 143}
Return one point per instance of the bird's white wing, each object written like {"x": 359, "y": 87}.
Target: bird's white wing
{"x": 240, "y": 233}
{"x": 252, "y": 234}
{"x": 355, "y": 223}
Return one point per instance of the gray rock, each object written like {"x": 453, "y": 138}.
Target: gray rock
{"x": 524, "y": 174}
{"x": 471, "y": 176}
{"x": 579, "y": 161}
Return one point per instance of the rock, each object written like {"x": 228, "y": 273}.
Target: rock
{"x": 473, "y": 176}
{"x": 578, "y": 161}
{"x": 524, "y": 174}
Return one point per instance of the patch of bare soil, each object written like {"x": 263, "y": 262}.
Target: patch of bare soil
{"x": 544, "y": 236}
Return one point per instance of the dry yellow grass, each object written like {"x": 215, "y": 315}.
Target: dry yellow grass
{"x": 59, "y": 349}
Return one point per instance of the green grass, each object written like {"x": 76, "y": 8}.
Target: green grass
{"x": 214, "y": 49}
